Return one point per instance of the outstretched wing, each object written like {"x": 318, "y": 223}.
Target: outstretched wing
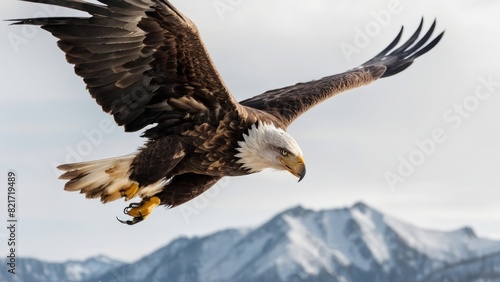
{"x": 143, "y": 61}
{"x": 290, "y": 102}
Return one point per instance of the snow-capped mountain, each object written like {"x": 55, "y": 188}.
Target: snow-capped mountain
{"x": 346, "y": 245}
{"x": 350, "y": 244}
{"x": 38, "y": 271}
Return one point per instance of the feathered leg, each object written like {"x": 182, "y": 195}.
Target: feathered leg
{"x": 179, "y": 190}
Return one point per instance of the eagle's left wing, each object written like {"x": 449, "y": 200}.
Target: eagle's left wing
{"x": 143, "y": 61}
{"x": 290, "y": 102}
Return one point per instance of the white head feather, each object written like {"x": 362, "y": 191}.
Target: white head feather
{"x": 260, "y": 148}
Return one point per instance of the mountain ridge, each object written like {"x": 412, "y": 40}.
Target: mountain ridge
{"x": 347, "y": 244}
{"x": 356, "y": 243}
{"x": 32, "y": 269}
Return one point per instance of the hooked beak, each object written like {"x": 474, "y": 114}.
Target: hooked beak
{"x": 295, "y": 166}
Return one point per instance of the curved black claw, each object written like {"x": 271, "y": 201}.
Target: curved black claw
{"x": 131, "y": 222}
{"x": 126, "y": 211}
{"x": 131, "y": 206}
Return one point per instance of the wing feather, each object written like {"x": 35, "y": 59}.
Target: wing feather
{"x": 290, "y": 102}
{"x": 143, "y": 61}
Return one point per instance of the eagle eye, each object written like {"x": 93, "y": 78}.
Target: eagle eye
{"x": 284, "y": 152}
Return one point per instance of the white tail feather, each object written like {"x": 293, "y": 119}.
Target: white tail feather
{"x": 106, "y": 178}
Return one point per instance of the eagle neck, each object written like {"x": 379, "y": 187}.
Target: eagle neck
{"x": 251, "y": 150}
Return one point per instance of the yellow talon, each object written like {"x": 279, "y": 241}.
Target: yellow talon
{"x": 140, "y": 210}
{"x": 131, "y": 191}
{"x": 145, "y": 209}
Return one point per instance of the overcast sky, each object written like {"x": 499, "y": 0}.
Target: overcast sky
{"x": 422, "y": 145}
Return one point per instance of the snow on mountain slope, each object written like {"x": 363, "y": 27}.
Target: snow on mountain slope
{"x": 374, "y": 232}
{"x": 346, "y": 245}
{"x": 349, "y": 244}
{"x": 214, "y": 250}
{"x": 184, "y": 259}
{"x": 34, "y": 270}
{"x": 333, "y": 244}
{"x": 362, "y": 238}
{"x": 446, "y": 246}
{"x": 80, "y": 270}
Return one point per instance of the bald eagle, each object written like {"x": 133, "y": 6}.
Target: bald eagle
{"x": 144, "y": 62}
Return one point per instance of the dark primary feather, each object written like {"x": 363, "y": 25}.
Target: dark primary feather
{"x": 143, "y": 62}
{"x": 402, "y": 57}
{"x": 290, "y": 102}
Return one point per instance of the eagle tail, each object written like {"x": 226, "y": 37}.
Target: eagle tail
{"x": 107, "y": 178}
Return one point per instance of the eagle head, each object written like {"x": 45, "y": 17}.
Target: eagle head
{"x": 267, "y": 146}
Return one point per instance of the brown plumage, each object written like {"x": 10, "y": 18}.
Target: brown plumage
{"x": 144, "y": 62}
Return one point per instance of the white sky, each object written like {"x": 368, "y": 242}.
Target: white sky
{"x": 350, "y": 142}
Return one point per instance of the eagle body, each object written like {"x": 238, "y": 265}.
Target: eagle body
{"x": 144, "y": 62}
{"x": 210, "y": 148}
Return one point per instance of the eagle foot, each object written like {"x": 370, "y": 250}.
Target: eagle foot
{"x": 140, "y": 210}
{"x": 130, "y": 192}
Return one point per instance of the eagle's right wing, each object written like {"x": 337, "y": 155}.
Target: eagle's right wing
{"x": 288, "y": 103}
